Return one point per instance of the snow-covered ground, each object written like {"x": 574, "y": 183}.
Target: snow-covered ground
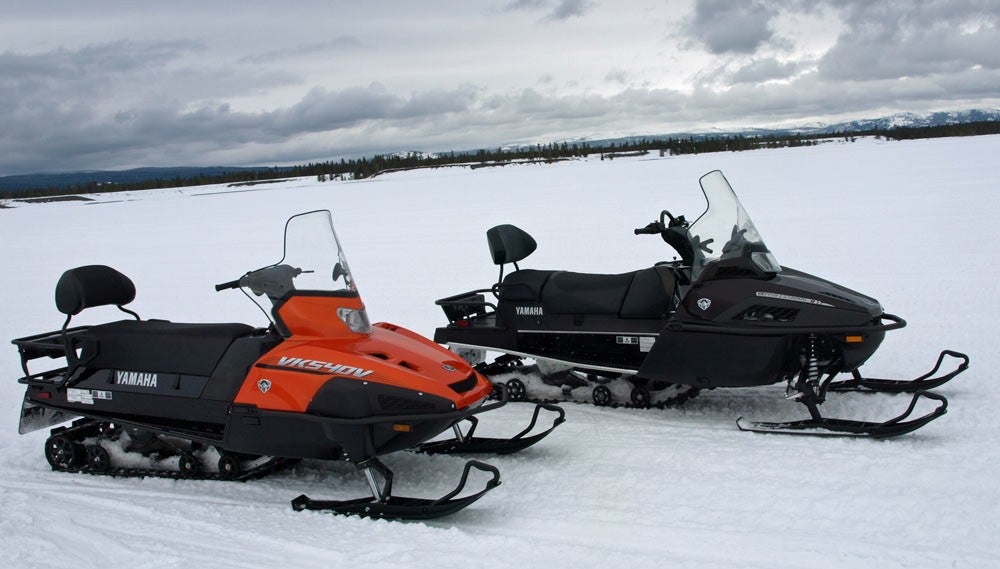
{"x": 912, "y": 223}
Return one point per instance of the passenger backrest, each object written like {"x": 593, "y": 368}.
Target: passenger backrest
{"x": 509, "y": 244}
{"x": 92, "y": 285}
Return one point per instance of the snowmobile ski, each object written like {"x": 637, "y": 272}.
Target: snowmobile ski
{"x": 922, "y": 383}
{"x": 383, "y": 504}
{"x": 468, "y": 443}
{"x": 823, "y": 426}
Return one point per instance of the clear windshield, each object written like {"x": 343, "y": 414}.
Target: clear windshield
{"x": 725, "y": 230}
{"x": 311, "y": 245}
{"x": 313, "y": 261}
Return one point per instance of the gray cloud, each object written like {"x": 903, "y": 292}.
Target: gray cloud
{"x": 526, "y": 5}
{"x": 340, "y": 44}
{"x": 326, "y": 124}
{"x": 466, "y": 76}
{"x": 765, "y": 69}
{"x": 617, "y": 76}
{"x": 567, "y": 9}
{"x": 723, "y": 26}
{"x": 562, "y": 10}
{"x": 885, "y": 40}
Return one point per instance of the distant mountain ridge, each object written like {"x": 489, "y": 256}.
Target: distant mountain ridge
{"x": 898, "y": 120}
{"x": 908, "y": 120}
{"x": 117, "y": 177}
{"x": 67, "y": 180}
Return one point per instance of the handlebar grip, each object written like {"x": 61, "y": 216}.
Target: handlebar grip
{"x": 230, "y": 284}
{"x": 648, "y": 230}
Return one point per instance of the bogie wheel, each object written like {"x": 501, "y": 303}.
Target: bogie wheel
{"x": 640, "y": 397}
{"x": 516, "y": 390}
{"x": 62, "y": 453}
{"x": 229, "y": 466}
{"x": 602, "y": 396}
{"x": 188, "y": 465}
{"x": 98, "y": 459}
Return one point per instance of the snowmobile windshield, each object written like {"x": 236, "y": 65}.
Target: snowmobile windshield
{"x": 311, "y": 245}
{"x": 313, "y": 261}
{"x": 725, "y": 231}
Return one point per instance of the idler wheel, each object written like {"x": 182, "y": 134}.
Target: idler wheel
{"x": 602, "y": 396}
{"x": 230, "y": 466}
{"x": 516, "y": 390}
{"x": 62, "y": 453}
{"x": 640, "y": 397}
{"x": 188, "y": 465}
{"x": 98, "y": 459}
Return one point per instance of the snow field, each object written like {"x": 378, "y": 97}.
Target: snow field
{"x": 911, "y": 223}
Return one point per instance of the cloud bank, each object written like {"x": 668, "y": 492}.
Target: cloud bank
{"x": 450, "y": 77}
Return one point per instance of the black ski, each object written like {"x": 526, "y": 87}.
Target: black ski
{"x": 383, "y": 505}
{"x": 922, "y": 383}
{"x": 467, "y": 443}
{"x": 823, "y": 426}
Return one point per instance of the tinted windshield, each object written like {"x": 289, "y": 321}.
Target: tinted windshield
{"x": 725, "y": 230}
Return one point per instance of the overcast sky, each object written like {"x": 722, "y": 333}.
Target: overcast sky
{"x": 112, "y": 84}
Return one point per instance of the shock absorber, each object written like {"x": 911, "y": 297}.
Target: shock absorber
{"x": 807, "y": 381}
{"x": 812, "y": 362}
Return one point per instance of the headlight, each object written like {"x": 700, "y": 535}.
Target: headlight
{"x": 356, "y": 320}
{"x": 765, "y": 261}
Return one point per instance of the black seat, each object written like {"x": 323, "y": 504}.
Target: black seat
{"x": 134, "y": 345}
{"x": 584, "y": 293}
{"x": 646, "y": 293}
{"x": 158, "y": 346}
{"x": 525, "y": 284}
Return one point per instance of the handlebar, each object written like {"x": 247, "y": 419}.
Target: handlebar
{"x": 228, "y": 285}
{"x": 658, "y": 227}
{"x": 653, "y": 228}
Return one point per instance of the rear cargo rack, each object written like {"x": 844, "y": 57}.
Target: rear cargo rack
{"x": 467, "y": 305}
{"x": 48, "y": 344}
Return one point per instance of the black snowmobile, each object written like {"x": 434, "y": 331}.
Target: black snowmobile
{"x": 234, "y": 402}
{"x": 725, "y": 314}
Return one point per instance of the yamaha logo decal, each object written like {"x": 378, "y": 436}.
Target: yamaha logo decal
{"x": 704, "y": 303}
{"x": 263, "y": 385}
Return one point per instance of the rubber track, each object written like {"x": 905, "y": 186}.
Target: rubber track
{"x": 79, "y": 432}
{"x": 661, "y": 405}
{"x": 492, "y": 370}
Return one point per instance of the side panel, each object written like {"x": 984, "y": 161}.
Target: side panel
{"x": 295, "y": 435}
{"x": 716, "y": 360}
{"x": 289, "y": 377}
{"x": 315, "y": 315}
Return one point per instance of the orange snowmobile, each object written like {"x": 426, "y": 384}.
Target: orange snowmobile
{"x": 230, "y": 401}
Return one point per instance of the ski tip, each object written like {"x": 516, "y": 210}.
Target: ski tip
{"x": 301, "y": 502}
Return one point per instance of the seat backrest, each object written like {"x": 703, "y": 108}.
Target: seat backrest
{"x": 92, "y": 285}
{"x": 509, "y": 244}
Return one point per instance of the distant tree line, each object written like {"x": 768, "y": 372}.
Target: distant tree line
{"x": 367, "y": 167}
